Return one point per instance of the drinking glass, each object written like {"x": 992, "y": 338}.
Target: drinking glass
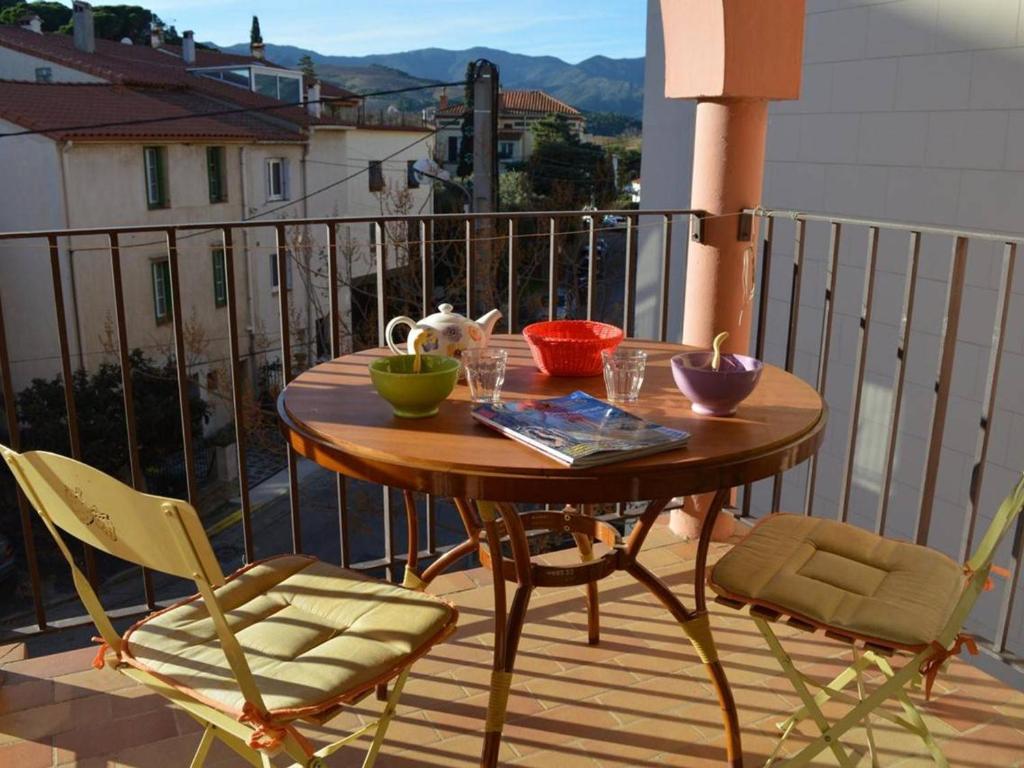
{"x": 624, "y": 374}
{"x": 485, "y": 373}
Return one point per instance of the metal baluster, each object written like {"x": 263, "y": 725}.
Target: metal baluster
{"x": 835, "y": 234}
{"x": 552, "y": 268}
{"x": 68, "y": 380}
{"x": 341, "y": 484}
{"x": 380, "y": 258}
{"x": 24, "y": 510}
{"x": 591, "y": 266}
{"x": 909, "y": 291}
{"x": 286, "y": 377}
{"x": 181, "y": 368}
{"x": 513, "y": 282}
{"x": 426, "y": 266}
{"x": 762, "y": 318}
{"x": 128, "y": 391}
{"x": 237, "y": 395}
{"x": 947, "y": 353}
{"x": 794, "y": 319}
{"x": 470, "y": 270}
{"x": 629, "y": 295}
{"x": 666, "y": 276}
{"x": 988, "y": 406}
{"x": 859, "y": 366}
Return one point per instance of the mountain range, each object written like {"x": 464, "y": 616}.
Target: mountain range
{"x": 597, "y": 84}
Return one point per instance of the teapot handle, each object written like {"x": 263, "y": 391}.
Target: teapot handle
{"x": 392, "y": 324}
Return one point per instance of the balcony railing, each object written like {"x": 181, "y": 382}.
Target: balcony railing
{"x": 875, "y": 313}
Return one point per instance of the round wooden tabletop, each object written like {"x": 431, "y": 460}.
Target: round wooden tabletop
{"x": 332, "y": 415}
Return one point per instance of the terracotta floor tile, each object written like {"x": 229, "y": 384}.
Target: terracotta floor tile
{"x": 640, "y": 699}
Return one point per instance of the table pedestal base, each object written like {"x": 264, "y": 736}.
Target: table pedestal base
{"x": 488, "y": 523}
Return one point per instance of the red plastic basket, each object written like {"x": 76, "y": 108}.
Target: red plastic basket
{"x": 571, "y": 347}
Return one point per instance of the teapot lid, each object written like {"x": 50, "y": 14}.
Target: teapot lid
{"x": 446, "y": 315}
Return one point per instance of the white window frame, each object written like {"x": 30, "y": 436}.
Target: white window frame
{"x": 275, "y": 280}
{"x": 282, "y": 192}
{"x": 512, "y": 150}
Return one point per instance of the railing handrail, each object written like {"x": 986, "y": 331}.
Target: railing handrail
{"x": 898, "y": 226}
{"x": 336, "y": 220}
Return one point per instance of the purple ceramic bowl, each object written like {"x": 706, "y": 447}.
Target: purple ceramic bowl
{"x": 715, "y": 393}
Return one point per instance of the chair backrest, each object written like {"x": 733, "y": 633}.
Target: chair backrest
{"x": 980, "y": 563}
{"x": 1006, "y": 515}
{"x": 159, "y": 533}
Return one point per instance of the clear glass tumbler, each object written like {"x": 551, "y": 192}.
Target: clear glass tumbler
{"x": 485, "y": 373}
{"x": 624, "y": 374}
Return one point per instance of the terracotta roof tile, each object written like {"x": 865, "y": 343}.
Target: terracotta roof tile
{"x": 147, "y": 67}
{"x": 521, "y": 101}
{"x": 55, "y": 109}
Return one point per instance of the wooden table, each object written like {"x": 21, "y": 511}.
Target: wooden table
{"x": 332, "y": 415}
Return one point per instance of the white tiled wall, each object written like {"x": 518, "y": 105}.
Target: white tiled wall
{"x": 911, "y": 110}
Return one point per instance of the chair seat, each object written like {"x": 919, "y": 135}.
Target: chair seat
{"x": 314, "y": 636}
{"x": 839, "y": 577}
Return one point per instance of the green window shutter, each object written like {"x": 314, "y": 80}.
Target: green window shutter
{"x": 220, "y": 286}
{"x": 155, "y": 168}
{"x": 215, "y": 174}
{"x": 161, "y": 291}
{"x": 161, "y": 174}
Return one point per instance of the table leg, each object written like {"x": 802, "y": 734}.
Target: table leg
{"x": 448, "y": 559}
{"x": 694, "y": 623}
{"x": 586, "y": 547}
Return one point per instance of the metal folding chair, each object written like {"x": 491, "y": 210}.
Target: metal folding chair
{"x": 880, "y": 596}
{"x": 281, "y": 640}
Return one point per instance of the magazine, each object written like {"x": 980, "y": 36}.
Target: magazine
{"x": 579, "y": 430}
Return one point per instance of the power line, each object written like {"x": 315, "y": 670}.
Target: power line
{"x": 220, "y": 112}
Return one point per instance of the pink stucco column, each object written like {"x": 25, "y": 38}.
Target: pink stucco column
{"x": 733, "y": 57}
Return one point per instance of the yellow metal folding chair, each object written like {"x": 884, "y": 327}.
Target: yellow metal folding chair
{"x": 281, "y": 640}
{"x": 880, "y": 596}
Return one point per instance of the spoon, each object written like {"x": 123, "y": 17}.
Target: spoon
{"x": 716, "y": 358}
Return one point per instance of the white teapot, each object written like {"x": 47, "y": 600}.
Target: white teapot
{"x": 448, "y": 333}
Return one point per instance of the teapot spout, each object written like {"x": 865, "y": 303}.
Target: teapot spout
{"x": 488, "y": 321}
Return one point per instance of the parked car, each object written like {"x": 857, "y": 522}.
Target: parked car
{"x": 614, "y": 221}
{"x": 7, "y": 562}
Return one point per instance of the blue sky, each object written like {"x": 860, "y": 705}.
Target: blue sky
{"x": 569, "y": 29}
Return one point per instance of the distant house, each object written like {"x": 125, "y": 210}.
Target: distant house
{"x": 182, "y": 161}
{"x": 519, "y": 110}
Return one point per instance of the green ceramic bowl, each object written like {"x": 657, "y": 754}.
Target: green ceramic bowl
{"x": 414, "y": 395}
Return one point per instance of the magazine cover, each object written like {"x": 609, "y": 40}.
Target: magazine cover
{"x": 579, "y": 430}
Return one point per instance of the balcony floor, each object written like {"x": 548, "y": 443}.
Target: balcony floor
{"x": 638, "y": 699}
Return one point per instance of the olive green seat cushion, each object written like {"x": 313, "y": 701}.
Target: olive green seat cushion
{"x": 314, "y": 635}
{"x": 840, "y": 577}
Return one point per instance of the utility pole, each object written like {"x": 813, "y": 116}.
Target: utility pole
{"x": 480, "y": 265}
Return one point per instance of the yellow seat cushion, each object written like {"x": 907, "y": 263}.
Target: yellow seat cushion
{"x": 837, "y": 576}
{"x": 314, "y": 635}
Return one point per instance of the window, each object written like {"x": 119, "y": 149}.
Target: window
{"x": 412, "y": 180}
{"x": 376, "y": 176}
{"x": 506, "y": 149}
{"x": 453, "y": 149}
{"x": 283, "y": 88}
{"x": 44, "y": 75}
{"x": 220, "y": 283}
{"x": 274, "y": 279}
{"x": 277, "y": 178}
{"x": 156, "y": 176}
{"x": 215, "y": 174}
{"x": 161, "y": 290}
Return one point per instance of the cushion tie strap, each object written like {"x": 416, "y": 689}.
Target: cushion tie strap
{"x": 930, "y": 668}
{"x": 997, "y": 570}
{"x": 99, "y": 661}
{"x": 266, "y": 736}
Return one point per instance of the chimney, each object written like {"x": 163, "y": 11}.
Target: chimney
{"x": 257, "y": 51}
{"x": 188, "y": 46}
{"x": 32, "y": 23}
{"x": 444, "y": 98}
{"x": 313, "y": 105}
{"x": 156, "y": 36}
{"x": 84, "y": 31}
